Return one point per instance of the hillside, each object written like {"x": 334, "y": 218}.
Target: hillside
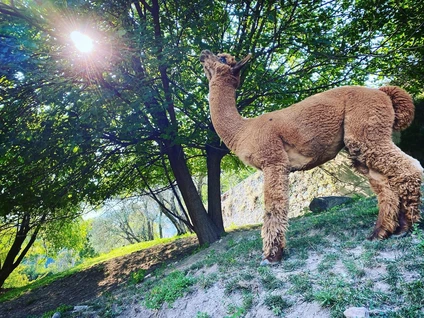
{"x": 328, "y": 266}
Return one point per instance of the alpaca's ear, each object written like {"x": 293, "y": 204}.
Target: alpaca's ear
{"x": 239, "y": 65}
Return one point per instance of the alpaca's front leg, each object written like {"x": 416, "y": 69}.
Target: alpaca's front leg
{"x": 276, "y": 197}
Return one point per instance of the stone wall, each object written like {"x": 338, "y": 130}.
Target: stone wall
{"x": 243, "y": 204}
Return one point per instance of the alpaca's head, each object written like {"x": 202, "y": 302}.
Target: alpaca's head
{"x": 223, "y": 66}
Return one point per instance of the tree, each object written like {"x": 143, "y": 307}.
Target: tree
{"x": 43, "y": 178}
{"x": 123, "y": 222}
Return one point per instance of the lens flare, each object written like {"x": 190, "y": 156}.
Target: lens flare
{"x": 82, "y": 42}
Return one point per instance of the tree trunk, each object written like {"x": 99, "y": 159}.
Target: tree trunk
{"x": 15, "y": 254}
{"x": 182, "y": 227}
{"x": 160, "y": 224}
{"x": 214, "y": 156}
{"x": 206, "y": 230}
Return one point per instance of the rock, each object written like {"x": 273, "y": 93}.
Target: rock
{"x": 56, "y": 315}
{"x": 325, "y": 203}
{"x": 356, "y": 312}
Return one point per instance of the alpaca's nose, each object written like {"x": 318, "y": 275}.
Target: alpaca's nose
{"x": 205, "y": 54}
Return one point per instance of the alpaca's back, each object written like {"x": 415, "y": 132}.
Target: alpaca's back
{"x": 314, "y": 130}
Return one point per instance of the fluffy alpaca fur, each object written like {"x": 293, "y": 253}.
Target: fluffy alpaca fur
{"x": 312, "y": 132}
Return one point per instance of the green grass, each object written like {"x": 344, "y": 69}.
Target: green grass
{"x": 277, "y": 304}
{"x": 170, "y": 289}
{"x": 327, "y": 260}
{"x": 61, "y": 309}
{"x": 16, "y": 292}
{"x": 137, "y": 277}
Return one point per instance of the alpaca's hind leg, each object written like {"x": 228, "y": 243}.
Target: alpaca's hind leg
{"x": 407, "y": 186}
{"x": 276, "y": 197}
{"x": 388, "y": 202}
{"x": 385, "y": 161}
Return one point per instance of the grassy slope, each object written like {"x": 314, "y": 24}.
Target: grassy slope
{"x": 16, "y": 292}
{"x": 327, "y": 262}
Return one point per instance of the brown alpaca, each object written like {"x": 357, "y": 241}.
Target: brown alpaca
{"x": 312, "y": 132}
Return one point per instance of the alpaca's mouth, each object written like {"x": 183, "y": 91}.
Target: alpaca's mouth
{"x": 204, "y": 55}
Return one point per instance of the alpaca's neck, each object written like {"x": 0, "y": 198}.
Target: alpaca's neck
{"x": 225, "y": 117}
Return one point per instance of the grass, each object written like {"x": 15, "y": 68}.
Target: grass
{"x": 170, "y": 289}
{"x": 327, "y": 261}
{"x": 61, "y": 309}
{"x": 16, "y": 292}
{"x": 343, "y": 272}
{"x": 277, "y": 304}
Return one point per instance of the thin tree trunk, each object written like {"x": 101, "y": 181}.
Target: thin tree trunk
{"x": 206, "y": 230}
{"x": 160, "y": 224}
{"x": 213, "y": 161}
{"x": 15, "y": 255}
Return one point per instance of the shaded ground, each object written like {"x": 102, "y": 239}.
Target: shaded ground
{"x": 91, "y": 283}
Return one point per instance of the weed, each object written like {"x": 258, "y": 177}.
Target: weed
{"x": 235, "y": 312}
{"x": 61, "y": 309}
{"x": 328, "y": 262}
{"x": 368, "y": 258}
{"x": 137, "y": 277}
{"x": 234, "y": 284}
{"x": 276, "y": 303}
{"x": 171, "y": 288}
{"x": 419, "y": 234}
{"x": 202, "y": 315}
{"x": 414, "y": 292}
{"x": 207, "y": 281}
{"x": 392, "y": 277}
{"x": 294, "y": 264}
{"x": 302, "y": 284}
{"x": 353, "y": 269}
{"x": 248, "y": 275}
{"x": 239, "y": 311}
{"x": 268, "y": 279}
{"x": 231, "y": 243}
{"x": 247, "y": 300}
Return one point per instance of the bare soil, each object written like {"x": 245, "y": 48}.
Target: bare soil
{"x": 95, "y": 281}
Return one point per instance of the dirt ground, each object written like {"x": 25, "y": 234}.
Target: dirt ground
{"x": 99, "y": 279}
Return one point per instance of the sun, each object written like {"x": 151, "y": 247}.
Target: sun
{"x": 82, "y": 41}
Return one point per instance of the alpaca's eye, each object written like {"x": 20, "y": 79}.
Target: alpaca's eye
{"x": 223, "y": 60}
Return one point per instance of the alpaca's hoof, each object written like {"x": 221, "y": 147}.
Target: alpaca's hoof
{"x": 401, "y": 231}
{"x": 273, "y": 259}
{"x": 379, "y": 234}
{"x": 400, "y": 234}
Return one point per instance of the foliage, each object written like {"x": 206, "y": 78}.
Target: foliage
{"x": 137, "y": 277}
{"x": 64, "y": 234}
{"x": 18, "y": 278}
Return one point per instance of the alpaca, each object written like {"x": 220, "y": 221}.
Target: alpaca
{"x": 311, "y": 132}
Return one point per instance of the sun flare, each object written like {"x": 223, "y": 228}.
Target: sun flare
{"x": 82, "y": 42}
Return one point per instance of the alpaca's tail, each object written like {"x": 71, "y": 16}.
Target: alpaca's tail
{"x": 403, "y": 106}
